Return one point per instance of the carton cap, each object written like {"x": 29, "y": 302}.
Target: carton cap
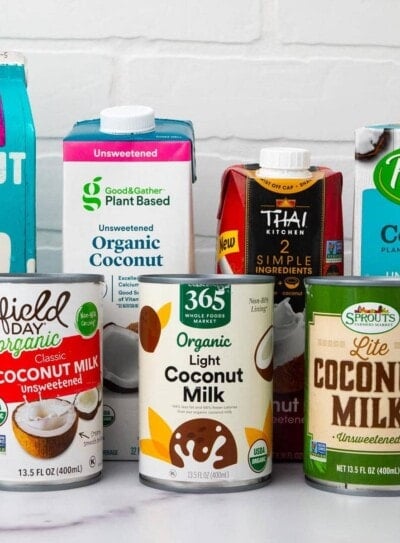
{"x": 127, "y": 120}
{"x": 284, "y": 162}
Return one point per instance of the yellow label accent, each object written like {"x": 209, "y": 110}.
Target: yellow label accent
{"x": 164, "y": 314}
{"x": 154, "y": 449}
{"x": 254, "y": 434}
{"x": 158, "y": 445}
{"x": 228, "y": 242}
{"x": 159, "y": 429}
{"x": 287, "y": 186}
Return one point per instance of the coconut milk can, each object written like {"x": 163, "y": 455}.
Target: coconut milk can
{"x": 205, "y": 370}
{"x": 376, "y": 233}
{"x": 352, "y": 406}
{"x": 51, "y": 424}
{"x": 283, "y": 218}
{"x": 17, "y": 168}
{"x": 127, "y": 211}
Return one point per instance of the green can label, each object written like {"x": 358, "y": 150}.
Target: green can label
{"x": 352, "y": 423}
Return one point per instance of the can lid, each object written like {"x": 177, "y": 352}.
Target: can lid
{"x": 127, "y": 120}
{"x": 285, "y": 158}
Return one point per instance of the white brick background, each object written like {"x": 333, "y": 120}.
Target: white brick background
{"x": 247, "y": 73}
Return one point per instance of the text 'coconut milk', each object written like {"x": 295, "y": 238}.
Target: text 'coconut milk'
{"x": 283, "y": 218}
{"x": 51, "y": 427}
{"x": 127, "y": 210}
{"x": 205, "y": 382}
{"x": 352, "y": 406}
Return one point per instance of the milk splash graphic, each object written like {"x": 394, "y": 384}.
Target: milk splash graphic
{"x": 189, "y": 460}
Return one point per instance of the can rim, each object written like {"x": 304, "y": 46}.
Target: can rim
{"x": 354, "y": 281}
{"x": 51, "y": 278}
{"x": 208, "y": 279}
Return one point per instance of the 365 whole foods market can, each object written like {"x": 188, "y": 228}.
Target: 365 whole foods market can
{"x": 50, "y": 381}
{"x": 205, "y": 379}
{"x": 352, "y": 409}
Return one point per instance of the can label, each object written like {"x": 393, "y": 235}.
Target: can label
{"x": 291, "y": 229}
{"x": 205, "y": 362}
{"x": 50, "y": 382}
{"x": 352, "y": 434}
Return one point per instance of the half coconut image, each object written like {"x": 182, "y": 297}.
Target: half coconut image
{"x": 46, "y": 428}
{"x": 121, "y": 347}
{"x": 120, "y": 357}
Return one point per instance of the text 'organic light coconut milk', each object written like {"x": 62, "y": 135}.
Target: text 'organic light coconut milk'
{"x": 17, "y": 169}
{"x": 283, "y": 218}
{"x": 127, "y": 211}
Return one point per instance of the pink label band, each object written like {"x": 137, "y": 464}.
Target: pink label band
{"x": 127, "y": 151}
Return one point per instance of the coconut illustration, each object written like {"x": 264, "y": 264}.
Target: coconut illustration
{"x": 120, "y": 358}
{"x": 370, "y": 142}
{"x": 45, "y": 428}
{"x": 149, "y": 328}
{"x": 87, "y": 403}
{"x": 263, "y": 355}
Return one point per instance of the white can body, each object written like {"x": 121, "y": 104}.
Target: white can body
{"x": 205, "y": 380}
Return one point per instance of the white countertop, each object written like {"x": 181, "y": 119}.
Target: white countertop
{"x": 119, "y": 509}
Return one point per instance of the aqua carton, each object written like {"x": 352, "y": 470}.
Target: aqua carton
{"x": 376, "y": 230}
{"x": 17, "y": 169}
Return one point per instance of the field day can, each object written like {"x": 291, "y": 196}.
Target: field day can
{"x": 51, "y": 431}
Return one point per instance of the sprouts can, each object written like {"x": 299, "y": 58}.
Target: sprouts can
{"x": 205, "y": 380}
{"x": 352, "y": 422}
{"x": 50, "y": 381}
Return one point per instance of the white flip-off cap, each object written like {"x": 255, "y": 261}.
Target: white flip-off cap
{"x": 127, "y": 120}
{"x": 284, "y": 162}
{"x": 285, "y": 158}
